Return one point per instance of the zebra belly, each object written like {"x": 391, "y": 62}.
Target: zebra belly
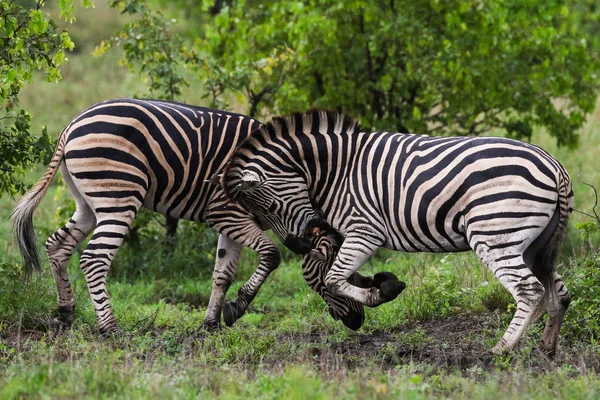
{"x": 185, "y": 205}
{"x": 442, "y": 245}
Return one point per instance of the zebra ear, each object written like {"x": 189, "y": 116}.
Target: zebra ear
{"x": 249, "y": 181}
{"x": 215, "y": 180}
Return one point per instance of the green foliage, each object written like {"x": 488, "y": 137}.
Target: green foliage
{"x": 28, "y": 305}
{"x": 19, "y": 150}
{"x": 29, "y": 41}
{"x": 150, "y": 46}
{"x": 582, "y": 322}
{"x": 583, "y": 317}
{"x": 429, "y": 67}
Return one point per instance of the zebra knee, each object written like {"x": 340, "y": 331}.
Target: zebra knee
{"x": 334, "y": 284}
{"x": 270, "y": 257}
{"x": 530, "y": 292}
{"x": 52, "y": 245}
{"x": 565, "y": 299}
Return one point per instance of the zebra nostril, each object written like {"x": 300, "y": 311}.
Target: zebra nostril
{"x": 316, "y": 227}
{"x": 317, "y": 255}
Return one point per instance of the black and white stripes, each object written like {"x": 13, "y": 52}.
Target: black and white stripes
{"x": 507, "y": 200}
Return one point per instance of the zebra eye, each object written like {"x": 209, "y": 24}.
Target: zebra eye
{"x": 273, "y": 207}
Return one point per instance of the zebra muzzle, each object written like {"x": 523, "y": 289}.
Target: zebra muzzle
{"x": 298, "y": 245}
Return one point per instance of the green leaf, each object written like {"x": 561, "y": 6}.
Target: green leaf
{"x": 416, "y": 113}
{"x": 11, "y": 75}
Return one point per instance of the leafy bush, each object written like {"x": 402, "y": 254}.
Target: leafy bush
{"x": 436, "y": 67}
{"x": 583, "y": 317}
{"x": 29, "y": 41}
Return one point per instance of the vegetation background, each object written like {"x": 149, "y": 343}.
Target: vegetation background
{"x": 263, "y": 58}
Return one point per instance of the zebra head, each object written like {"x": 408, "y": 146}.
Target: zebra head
{"x": 314, "y": 270}
{"x": 279, "y": 202}
{"x": 271, "y": 173}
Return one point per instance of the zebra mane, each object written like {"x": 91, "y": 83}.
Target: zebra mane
{"x": 317, "y": 121}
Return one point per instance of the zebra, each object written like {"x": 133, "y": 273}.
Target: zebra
{"x": 506, "y": 200}
{"x": 119, "y": 155}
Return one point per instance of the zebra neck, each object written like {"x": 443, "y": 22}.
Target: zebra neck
{"x": 328, "y": 168}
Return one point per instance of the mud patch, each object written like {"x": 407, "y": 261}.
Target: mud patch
{"x": 17, "y": 339}
{"x": 459, "y": 342}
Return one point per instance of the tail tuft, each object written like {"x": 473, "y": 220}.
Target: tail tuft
{"x": 23, "y": 229}
{"x": 22, "y": 215}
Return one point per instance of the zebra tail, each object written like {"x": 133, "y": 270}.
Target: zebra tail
{"x": 22, "y": 214}
{"x": 549, "y": 253}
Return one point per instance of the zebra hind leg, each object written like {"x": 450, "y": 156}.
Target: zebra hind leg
{"x": 543, "y": 253}
{"x": 558, "y": 302}
{"x": 96, "y": 259}
{"x": 516, "y": 276}
{"x": 59, "y": 247}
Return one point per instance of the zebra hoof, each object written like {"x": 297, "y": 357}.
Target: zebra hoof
{"x": 212, "y": 326}
{"x": 361, "y": 281}
{"x": 381, "y": 277}
{"x": 56, "y": 325}
{"x": 390, "y": 289}
{"x": 230, "y": 314}
{"x": 111, "y": 331}
{"x": 66, "y": 316}
{"x": 333, "y": 313}
{"x": 548, "y": 350}
{"x": 353, "y": 321}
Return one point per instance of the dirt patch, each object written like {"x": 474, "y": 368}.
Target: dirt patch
{"x": 18, "y": 339}
{"x": 454, "y": 342}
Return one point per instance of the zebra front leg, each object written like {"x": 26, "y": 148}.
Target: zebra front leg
{"x": 314, "y": 271}
{"x": 228, "y": 254}
{"x": 354, "y": 253}
{"x": 59, "y": 247}
{"x": 233, "y": 222}
{"x": 269, "y": 259}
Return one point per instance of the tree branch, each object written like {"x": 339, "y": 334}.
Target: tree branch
{"x": 596, "y": 216}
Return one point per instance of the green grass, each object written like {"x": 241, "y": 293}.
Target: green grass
{"x": 116, "y": 375}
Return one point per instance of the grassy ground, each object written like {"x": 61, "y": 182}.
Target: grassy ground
{"x": 429, "y": 343}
